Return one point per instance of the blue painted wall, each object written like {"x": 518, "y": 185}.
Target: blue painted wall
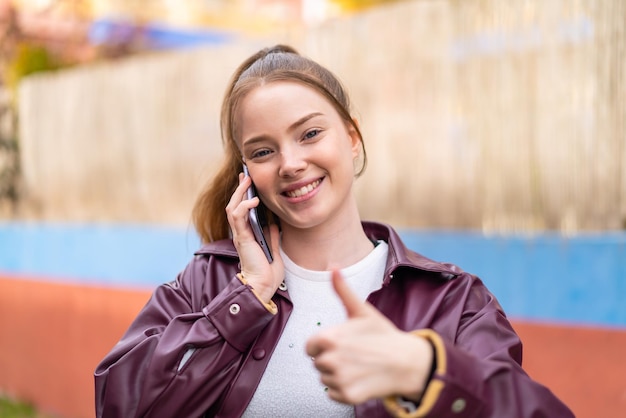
{"x": 579, "y": 279}
{"x": 547, "y": 277}
{"x": 103, "y": 254}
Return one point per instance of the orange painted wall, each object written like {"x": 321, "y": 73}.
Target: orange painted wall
{"x": 53, "y": 335}
{"x": 585, "y": 367}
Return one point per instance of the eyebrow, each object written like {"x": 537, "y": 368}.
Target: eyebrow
{"x": 303, "y": 120}
{"x": 291, "y": 127}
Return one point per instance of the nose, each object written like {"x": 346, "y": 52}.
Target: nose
{"x": 292, "y": 161}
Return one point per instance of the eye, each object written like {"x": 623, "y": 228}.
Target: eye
{"x": 311, "y": 134}
{"x": 260, "y": 153}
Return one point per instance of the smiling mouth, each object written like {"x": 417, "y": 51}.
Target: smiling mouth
{"x": 304, "y": 189}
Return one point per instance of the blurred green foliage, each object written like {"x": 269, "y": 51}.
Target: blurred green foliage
{"x": 28, "y": 59}
{"x": 12, "y": 409}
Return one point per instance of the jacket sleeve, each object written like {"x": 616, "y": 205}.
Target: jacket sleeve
{"x": 174, "y": 361}
{"x": 478, "y": 371}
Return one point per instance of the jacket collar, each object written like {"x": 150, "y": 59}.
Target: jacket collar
{"x": 224, "y": 248}
{"x": 399, "y": 254}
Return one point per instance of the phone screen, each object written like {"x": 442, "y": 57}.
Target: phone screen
{"x": 256, "y": 221}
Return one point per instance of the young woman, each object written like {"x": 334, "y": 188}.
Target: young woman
{"x": 346, "y": 321}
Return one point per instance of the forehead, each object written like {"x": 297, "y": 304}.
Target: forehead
{"x": 279, "y": 103}
{"x": 292, "y": 93}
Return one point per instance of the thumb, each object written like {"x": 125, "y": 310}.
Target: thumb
{"x": 354, "y": 306}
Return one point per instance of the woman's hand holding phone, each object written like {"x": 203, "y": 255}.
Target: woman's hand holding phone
{"x": 257, "y": 220}
{"x": 263, "y": 276}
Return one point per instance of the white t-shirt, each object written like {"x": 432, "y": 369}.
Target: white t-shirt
{"x": 290, "y": 386}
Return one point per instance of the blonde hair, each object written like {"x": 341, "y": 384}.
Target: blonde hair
{"x": 278, "y": 63}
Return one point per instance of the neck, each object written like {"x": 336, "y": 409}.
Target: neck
{"x": 334, "y": 245}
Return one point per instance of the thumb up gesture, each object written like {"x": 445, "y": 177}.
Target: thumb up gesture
{"x": 367, "y": 357}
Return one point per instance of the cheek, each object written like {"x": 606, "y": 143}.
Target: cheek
{"x": 348, "y": 152}
{"x": 263, "y": 180}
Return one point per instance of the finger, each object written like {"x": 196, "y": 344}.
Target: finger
{"x": 238, "y": 207}
{"x": 326, "y": 371}
{"x": 316, "y": 345}
{"x": 313, "y": 348}
{"x": 239, "y": 194}
{"x": 242, "y": 188}
{"x": 354, "y": 306}
{"x": 335, "y": 395}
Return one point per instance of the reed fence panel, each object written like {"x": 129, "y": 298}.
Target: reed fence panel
{"x": 500, "y": 116}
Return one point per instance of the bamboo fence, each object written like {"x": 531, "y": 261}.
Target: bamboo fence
{"x": 504, "y": 116}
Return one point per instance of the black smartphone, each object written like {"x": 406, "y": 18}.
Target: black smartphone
{"x": 257, "y": 220}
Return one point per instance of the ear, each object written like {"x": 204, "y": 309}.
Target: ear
{"x": 355, "y": 137}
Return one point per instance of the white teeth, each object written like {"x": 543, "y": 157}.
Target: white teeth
{"x": 303, "y": 190}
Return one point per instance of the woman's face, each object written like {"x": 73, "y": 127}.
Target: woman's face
{"x": 299, "y": 151}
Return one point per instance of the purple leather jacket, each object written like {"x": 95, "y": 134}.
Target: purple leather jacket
{"x": 200, "y": 345}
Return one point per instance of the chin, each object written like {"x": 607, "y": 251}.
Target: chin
{"x": 301, "y": 223}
